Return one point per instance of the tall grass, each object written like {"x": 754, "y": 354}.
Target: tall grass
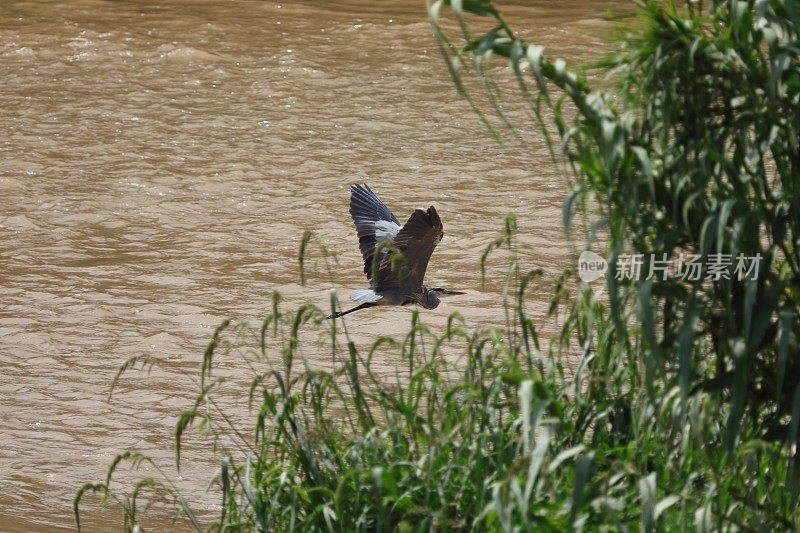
{"x": 498, "y": 438}
{"x": 695, "y": 150}
{"x": 684, "y": 408}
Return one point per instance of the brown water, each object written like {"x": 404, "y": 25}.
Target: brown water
{"x": 159, "y": 162}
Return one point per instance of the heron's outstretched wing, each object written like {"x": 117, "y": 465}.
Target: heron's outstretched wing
{"x": 374, "y": 222}
{"x": 416, "y": 241}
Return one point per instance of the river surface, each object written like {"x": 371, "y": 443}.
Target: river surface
{"x": 159, "y": 162}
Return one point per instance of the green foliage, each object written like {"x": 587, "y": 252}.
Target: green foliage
{"x": 695, "y": 150}
{"x": 501, "y": 438}
{"x": 683, "y": 409}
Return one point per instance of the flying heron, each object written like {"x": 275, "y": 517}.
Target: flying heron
{"x": 397, "y": 273}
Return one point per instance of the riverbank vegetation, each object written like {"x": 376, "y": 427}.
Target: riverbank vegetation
{"x": 684, "y": 409}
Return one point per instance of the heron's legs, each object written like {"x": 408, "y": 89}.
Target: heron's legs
{"x": 362, "y": 306}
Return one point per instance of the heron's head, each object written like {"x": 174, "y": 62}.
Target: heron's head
{"x": 433, "y": 296}
{"x": 430, "y": 300}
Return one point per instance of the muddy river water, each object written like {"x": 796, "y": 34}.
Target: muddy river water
{"x": 159, "y": 162}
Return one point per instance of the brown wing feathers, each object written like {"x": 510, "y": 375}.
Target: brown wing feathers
{"x": 416, "y": 240}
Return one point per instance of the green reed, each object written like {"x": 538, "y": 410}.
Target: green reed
{"x": 689, "y": 146}
{"x": 682, "y": 411}
{"x": 493, "y": 436}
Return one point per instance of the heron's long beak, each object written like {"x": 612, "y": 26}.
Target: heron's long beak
{"x": 448, "y": 292}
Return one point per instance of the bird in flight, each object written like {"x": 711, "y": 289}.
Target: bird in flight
{"x": 395, "y": 257}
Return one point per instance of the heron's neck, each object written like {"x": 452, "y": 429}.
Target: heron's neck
{"x": 428, "y": 299}
{"x": 423, "y": 296}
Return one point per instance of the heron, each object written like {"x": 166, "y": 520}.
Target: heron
{"x": 395, "y": 257}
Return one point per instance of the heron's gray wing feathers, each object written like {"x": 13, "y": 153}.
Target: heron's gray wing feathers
{"x": 374, "y": 222}
{"x": 416, "y": 241}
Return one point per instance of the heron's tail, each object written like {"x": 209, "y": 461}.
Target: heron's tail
{"x": 364, "y": 295}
